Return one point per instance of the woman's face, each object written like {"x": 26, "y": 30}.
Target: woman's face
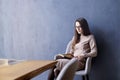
{"x": 78, "y": 27}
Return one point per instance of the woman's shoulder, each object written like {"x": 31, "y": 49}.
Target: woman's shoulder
{"x": 91, "y": 35}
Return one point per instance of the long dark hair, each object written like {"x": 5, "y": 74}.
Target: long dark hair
{"x": 85, "y": 28}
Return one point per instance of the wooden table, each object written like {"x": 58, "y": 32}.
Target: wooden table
{"x": 25, "y": 70}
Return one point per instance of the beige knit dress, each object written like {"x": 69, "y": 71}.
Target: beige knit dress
{"x": 80, "y": 50}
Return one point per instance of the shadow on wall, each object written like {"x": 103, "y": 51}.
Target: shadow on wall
{"x": 104, "y": 68}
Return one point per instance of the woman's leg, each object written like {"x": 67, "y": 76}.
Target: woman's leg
{"x": 61, "y": 63}
{"x": 51, "y": 75}
{"x": 55, "y": 71}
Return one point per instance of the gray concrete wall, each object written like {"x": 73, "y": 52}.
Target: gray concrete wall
{"x": 39, "y": 29}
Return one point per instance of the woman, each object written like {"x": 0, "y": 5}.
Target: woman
{"x": 82, "y": 45}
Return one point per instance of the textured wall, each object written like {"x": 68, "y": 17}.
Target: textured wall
{"x": 39, "y": 29}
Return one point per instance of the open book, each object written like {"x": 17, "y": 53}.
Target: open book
{"x": 66, "y": 56}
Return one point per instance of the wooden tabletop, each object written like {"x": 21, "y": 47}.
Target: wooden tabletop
{"x": 25, "y": 70}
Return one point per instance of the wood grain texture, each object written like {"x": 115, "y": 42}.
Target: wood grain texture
{"x": 25, "y": 70}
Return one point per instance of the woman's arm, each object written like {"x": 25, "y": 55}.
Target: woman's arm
{"x": 93, "y": 48}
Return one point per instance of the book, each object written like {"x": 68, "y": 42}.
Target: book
{"x": 66, "y": 56}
